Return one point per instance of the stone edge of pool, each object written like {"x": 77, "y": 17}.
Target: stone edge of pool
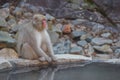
{"x": 7, "y": 64}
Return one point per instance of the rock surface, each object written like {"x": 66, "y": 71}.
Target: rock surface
{"x": 8, "y": 53}
{"x": 104, "y": 48}
{"x": 101, "y": 41}
{"x": 4, "y": 64}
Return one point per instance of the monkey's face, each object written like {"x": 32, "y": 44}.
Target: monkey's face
{"x": 39, "y": 22}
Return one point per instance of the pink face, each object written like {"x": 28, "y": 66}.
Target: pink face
{"x": 44, "y": 23}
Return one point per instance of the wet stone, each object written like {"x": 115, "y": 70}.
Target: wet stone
{"x": 76, "y": 50}
{"x": 82, "y": 43}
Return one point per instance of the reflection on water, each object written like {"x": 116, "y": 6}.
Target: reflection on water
{"x": 92, "y": 71}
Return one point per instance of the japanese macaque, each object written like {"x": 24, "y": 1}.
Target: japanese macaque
{"x": 34, "y": 41}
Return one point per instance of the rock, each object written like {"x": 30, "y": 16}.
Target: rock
{"x": 102, "y": 57}
{"x": 117, "y": 44}
{"x": 62, "y": 47}
{"x": 49, "y": 17}
{"x": 77, "y": 50}
{"x": 82, "y": 43}
{"x": 4, "y": 13}
{"x": 90, "y": 49}
{"x": 28, "y": 15}
{"x": 66, "y": 28}
{"x": 12, "y": 22}
{"x": 106, "y": 35}
{"x": 18, "y": 11}
{"x": 16, "y": 28}
{"x": 57, "y": 28}
{"x": 104, "y": 48}
{"x": 26, "y": 63}
{"x": 117, "y": 53}
{"x": 5, "y": 39}
{"x": 3, "y": 23}
{"x": 76, "y": 34}
{"x": 53, "y": 36}
{"x": 6, "y": 5}
{"x": 8, "y": 53}
{"x": 97, "y": 27}
{"x": 87, "y": 37}
{"x": 101, "y": 41}
{"x": 4, "y": 64}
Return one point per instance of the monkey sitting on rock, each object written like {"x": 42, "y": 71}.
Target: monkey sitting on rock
{"x": 34, "y": 41}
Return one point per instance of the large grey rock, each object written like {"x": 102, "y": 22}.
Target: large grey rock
{"x": 4, "y": 64}
{"x": 82, "y": 43}
{"x": 101, "y": 41}
{"x": 76, "y": 34}
{"x": 53, "y": 36}
{"x": 104, "y": 48}
{"x": 77, "y": 50}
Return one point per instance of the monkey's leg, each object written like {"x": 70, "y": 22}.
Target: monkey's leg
{"x": 28, "y": 52}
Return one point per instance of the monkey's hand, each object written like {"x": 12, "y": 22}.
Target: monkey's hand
{"x": 48, "y": 59}
{"x": 42, "y": 59}
{"x": 54, "y": 58}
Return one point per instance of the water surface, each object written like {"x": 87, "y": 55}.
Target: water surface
{"x": 94, "y": 71}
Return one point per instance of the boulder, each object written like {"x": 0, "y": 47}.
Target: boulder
{"x": 103, "y": 48}
{"x": 4, "y": 64}
{"x": 8, "y": 53}
{"x": 101, "y": 41}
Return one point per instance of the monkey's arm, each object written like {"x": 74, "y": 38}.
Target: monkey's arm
{"x": 39, "y": 51}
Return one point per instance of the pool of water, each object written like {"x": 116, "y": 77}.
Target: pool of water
{"x": 94, "y": 71}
